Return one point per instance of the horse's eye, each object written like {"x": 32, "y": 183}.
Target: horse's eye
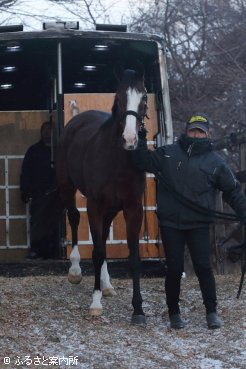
{"x": 144, "y": 98}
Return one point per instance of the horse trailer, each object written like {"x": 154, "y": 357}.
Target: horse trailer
{"x": 52, "y": 75}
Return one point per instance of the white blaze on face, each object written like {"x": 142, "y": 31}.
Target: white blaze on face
{"x": 130, "y": 133}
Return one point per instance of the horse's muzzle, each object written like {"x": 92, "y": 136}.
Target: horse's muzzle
{"x": 130, "y": 146}
{"x": 130, "y": 141}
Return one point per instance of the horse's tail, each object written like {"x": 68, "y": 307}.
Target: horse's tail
{"x": 47, "y": 215}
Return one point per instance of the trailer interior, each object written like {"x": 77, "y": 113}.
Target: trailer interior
{"x": 29, "y": 64}
{"x": 41, "y": 73}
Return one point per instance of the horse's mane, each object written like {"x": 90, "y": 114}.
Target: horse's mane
{"x": 107, "y": 123}
{"x": 114, "y": 108}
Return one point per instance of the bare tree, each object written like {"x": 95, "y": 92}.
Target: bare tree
{"x": 205, "y": 42}
{"x": 88, "y": 12}
{"x": 7, "y": 3}
{"x": 206, "y": 51}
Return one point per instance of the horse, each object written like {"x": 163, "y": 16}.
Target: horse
{"x": 94, "y": 157}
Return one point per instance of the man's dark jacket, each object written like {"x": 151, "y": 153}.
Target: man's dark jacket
{"x": 37, "y": 175}
{"x": 193, "y": 172}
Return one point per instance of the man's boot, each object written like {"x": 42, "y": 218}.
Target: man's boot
{"x": 213, "y": 321}
{"x": 176, "y": 321}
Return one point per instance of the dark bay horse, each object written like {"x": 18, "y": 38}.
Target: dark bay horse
{"x": 94, "y": 156}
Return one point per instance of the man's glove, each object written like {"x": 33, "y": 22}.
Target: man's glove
{"x": 142, "y": 133}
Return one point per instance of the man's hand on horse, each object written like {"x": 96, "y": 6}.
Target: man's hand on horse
{"x": 142, "y": 133}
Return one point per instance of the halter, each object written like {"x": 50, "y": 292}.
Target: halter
{"x": 139, "y": 117}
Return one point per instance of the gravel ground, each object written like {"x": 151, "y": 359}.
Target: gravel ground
{"x": 44, "y": 323}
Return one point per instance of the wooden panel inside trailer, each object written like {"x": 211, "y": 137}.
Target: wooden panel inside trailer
{"x": 116, "y": 244}
{"x": 18, "y": 131}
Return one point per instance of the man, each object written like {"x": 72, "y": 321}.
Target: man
{"x": 37, "y": 178}
{"x": 189, "y": 175}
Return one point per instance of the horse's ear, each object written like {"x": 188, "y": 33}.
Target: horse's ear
{"x": 118, "y": 71}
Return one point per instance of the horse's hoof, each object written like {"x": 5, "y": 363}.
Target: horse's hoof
{"x": 74, "y": 279}
{"x": 95, "y": 311}
{"x": 138, "y": 320}
{"x": 109, "y": 292}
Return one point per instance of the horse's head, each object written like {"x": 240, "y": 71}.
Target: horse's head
{"x": 131, "y": 106}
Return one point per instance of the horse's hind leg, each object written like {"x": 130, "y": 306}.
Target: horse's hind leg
{"x": 106, "y": 286}
{"x": 68, "y": 196}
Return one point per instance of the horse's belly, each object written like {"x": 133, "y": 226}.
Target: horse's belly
{"x": 117, "y": 194}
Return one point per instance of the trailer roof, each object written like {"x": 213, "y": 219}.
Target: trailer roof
{"x": 28, "y": 63}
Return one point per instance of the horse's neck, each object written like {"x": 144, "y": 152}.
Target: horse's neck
{"x": 112, "y": 129}
{"x": 116, "y": 113}
{"x": 110, "y": 144}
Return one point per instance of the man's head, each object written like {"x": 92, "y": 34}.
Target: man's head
{"x": 46, "y": 132}
{"x": 198, "y": 125}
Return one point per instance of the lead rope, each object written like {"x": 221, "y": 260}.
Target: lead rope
{"x": 243, "y": 265}
{"x": 146, "y": 227}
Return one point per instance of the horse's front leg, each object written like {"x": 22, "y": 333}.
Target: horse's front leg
{"x": 94, "y": 212}
{"x": 133, "y": 217}
{"x": 105, "y": 283}
{"x": 100, "y": 220}
{"x": 106, "y": 288}
{"x": 98, "y": 257}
